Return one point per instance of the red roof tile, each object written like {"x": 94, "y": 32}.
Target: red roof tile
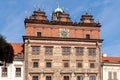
{"x": 18, "y": 47}
{"x": 111, "y": 59}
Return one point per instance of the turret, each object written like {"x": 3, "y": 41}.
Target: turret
{"x": 59, "y": 15}
{"x": 87, "y": 20}
{"x": 37, "y": 17}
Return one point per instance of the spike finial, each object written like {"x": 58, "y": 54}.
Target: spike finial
{"x": 38, "y": 6}
{"x": 34, "y": 6}
{"x": 58, "y": 4}
{"x": 97, "y": 19}
{"x": 27, "y": 14}
{"x": 90, "y": 11}
{"x": 75, "y": 18}
{"x": 86, "y": 10}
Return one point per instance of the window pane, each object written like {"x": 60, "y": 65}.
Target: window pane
{"x": 66, "y": 50}
{"x": 109, "y": 75}
{"x": 48, "y": 78}
{"x": 48, "y": 64}
{"x": 39, "y": 34}
{"x": 79, "y": 51}
{"x": 87, "y": 36}
{"x": 66, "y": 64}
{"x": 18, "y": 72}
{"x": 91, "y": 51}
{"x": 35, "y": 64}
{"x": 92, "y": 65}
{"x": 66, "y": 77}
{"x": 79, "y": 65}
{"x": 79, "y": 78}
{"x": 4, "y": 72}
{"x": 35, "y": 49}
{"x": 114, "y": 75}
{"x": 92, "y": 77}
{"x": 48, "y": 50}
{"x": 35, "y": 78}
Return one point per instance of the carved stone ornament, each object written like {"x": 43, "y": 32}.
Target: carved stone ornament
{"x": 64, "y": 32}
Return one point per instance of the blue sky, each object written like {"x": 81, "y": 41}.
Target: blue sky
{"x": 13, "y": 13}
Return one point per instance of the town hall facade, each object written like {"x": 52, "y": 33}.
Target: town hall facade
{"x": 60, "y": 49}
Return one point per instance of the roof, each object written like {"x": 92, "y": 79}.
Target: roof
{"x": 18, "y": 47}
{"x": 111, "y": 59}
{"x": 59, "y": 10}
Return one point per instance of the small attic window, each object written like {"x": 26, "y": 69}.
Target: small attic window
{"x": 87, "y": 36}
{"x": 38, "y": 34}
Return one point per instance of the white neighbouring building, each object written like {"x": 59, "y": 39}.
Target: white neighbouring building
{"x": 111, "y": 68}
{"x": 14, "y": 71}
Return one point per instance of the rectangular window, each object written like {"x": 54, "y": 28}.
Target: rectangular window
{"x": 66, "y": 50}
{"x": 48, "y": 50}
{"x": 66, "y": 64}
{"x": 115, "y": 75}
{"x": 48, "y": 78}
{"x": 4, "y": 72}
{"x": 48, "y": 64}
{"x": 38, "y": 34}
{"x": 35, "y": 78}
{"x": 92, "y": 65}
{"x": 92, "y": 77}
{"x": 79, "y": 77}
{"x": 35, "y": 49}
{"x": 18, "y": 72}
{"x": 66, "y": 77}
{"x": 35, "y": 64}
{"x": 87, "y": 36}
{"x": 92, "y": 51}
{"x": 79, "y": 64}
{"x": 109, "y": 75}
{"x": 79, "y": 51}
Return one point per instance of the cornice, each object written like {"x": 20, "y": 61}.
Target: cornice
{"x": 33, "y": 21}
{"x": 61, "y": 39}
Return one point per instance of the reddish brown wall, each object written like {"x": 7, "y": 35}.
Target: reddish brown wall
{"x": 53, "y": 30}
